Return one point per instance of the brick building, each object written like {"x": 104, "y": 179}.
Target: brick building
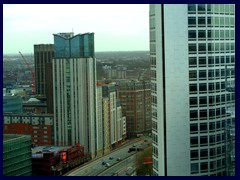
{"x": 40, "y": 127}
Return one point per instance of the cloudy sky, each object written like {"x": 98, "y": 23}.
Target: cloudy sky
{"x": 117, "y": 27}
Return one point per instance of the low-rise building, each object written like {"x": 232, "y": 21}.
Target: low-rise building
{"x": 17, "y": 155}
{"x": 38, "y": 126}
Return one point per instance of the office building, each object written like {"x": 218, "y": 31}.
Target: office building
{"x": 135, "y": 97}
{"x": 190, "y": 46}
{"x": 74, "y": 88}
{"x": 43, "y": 54}
{"x": 17, "y": 155}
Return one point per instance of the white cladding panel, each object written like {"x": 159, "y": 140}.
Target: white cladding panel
{"x": 177, "y": 89}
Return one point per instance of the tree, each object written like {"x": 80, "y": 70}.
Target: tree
{"x": 143, "y": 169}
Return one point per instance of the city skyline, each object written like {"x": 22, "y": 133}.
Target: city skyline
{"x": 27, "y": 24}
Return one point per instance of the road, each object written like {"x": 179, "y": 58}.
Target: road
{"x": 95, "y": 167}
{"x": 120, "y": 168}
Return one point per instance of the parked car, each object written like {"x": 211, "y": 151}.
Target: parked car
{"x": 107, "y": 165}
{"x": 118, "y": 159}
{"x": 103, "y": 163}
{"x": 110, "y": 157}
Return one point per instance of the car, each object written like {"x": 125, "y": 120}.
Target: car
{"x": 107, "y": 165}
{"x": 103, "y": 163}
{"x": 111, "y": 158}
{"x": 118, "y": 159}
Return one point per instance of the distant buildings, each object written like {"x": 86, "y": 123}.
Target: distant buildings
{"x": 17, "y": 155}
{"x": 190, "y": 47}
{"x": 135, "y": 97}
{"x": 43, "y": 55}
{"x": 12, "y": 104}
{"x": 74, "y": 83}
{"x": 113, "y": 120}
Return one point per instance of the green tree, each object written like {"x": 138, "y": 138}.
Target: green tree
{"x": 143, "y": 169}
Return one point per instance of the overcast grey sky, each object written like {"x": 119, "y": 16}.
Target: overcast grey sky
{"x": 117, "y": 27}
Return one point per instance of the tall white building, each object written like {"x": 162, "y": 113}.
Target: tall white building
{"x": 74, "y": 82}
{"x": 99, "y": 122}
{"x": 190, "y": 46}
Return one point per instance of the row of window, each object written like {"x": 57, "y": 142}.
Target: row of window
{"x": 205, "y": 153}
{"x": 211, "y": 61}
{"x": 211, "y": 34}
{"x": 202, "y": 48}
{"x": 205, "y": 140}
{"x": 211, "y": 21}
{"x": 208, "y": 166}
{"x": 210, "y": 74}
{"x": 211, "y": 8}
{"x": 203, "y": 114}
{"x": 206, "y": 127}
{"x": 211, "y": 87}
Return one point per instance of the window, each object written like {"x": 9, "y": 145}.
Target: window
{"x": 202, "y": 88}
{"x": 201, "y": 34}
{"x": 204, "y": 167}
{"x": 203, "y": 114}
{"x": 216, "y": 36}
{"x": 212, "y": 139}
{"x": 194, "y": 141}
{"x": 192, "y": 62}
{"x": 204, "y": 153}
{"x": 210, "y": 34}
{"x": 202, "y": 61}
{"x": 202, "y": 47}
{"x": 203, "y": 140}
{"x": 210, "y": 61}
{"x": 192, "y": 8}
{"x": 193, "y": 88}
{"x": 194, "y": 168}
{"x": 210, "y": 74}
{"x": 192, "y": 21}
{"x": 193, "y": 101}
{"x": 211, "y": 127}
{"x": 193, "y": 75}
{"x": 203, "y": 101}
{"x": 203, "y": 127}
{"x": 201, "y": 8}
{"x": 194, "y": 154}
{"x": 194, "y": 114}
{"x": 202, "y": 74}
{"x": 201, "y": 21}
{"x": 194, "y": 128}
{"x": 192, "y": 48}
{"x": 192, "y": 34}
{"x": 211, "y": 113}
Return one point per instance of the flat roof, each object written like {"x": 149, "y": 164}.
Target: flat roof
{"x": 7, "y": 137}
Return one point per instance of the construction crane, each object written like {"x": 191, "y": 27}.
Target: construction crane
{"x": 32, "y": 72}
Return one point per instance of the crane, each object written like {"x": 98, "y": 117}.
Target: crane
{"x": 32, "y": 72}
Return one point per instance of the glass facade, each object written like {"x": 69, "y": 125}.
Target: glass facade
{"x": 17, "y": 155}
{"x": 12, "y": 104}
{"x": 81, "y": 45}
{"x": 211, "y": 48}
